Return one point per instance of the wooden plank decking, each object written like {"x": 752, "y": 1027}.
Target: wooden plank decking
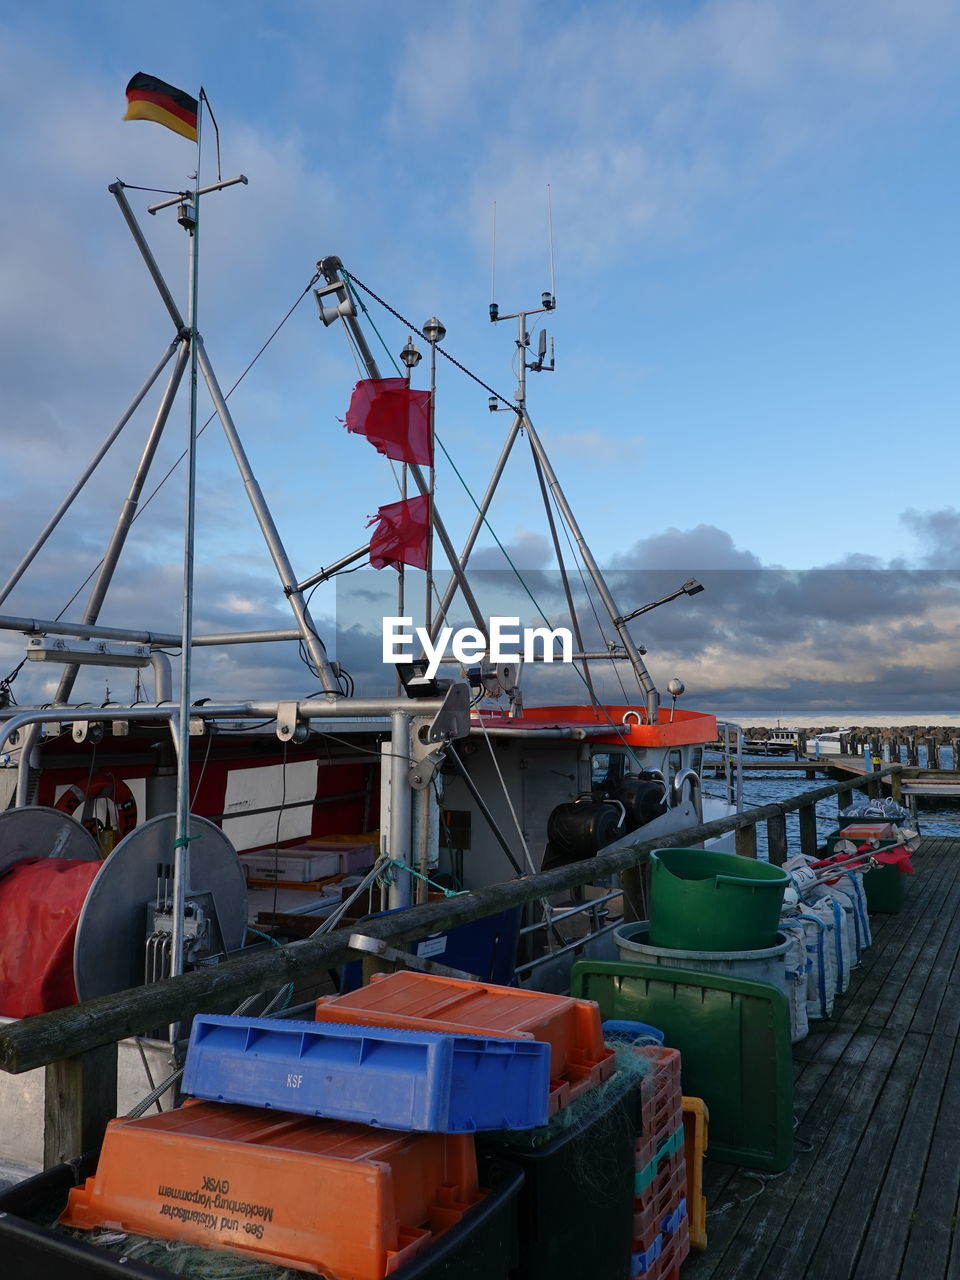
{"x": 872, "y": 1193}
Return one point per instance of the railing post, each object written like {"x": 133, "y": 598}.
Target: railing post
{"x": 844, "y": 799}
{"x": 896, "y": 787}
{"x": 634, "y": 894}
{"x": 746, "y": 845}
{"x": 80, "y": 1097}
{"x": 808, "y": 830}
{"x": 777, "y": 839}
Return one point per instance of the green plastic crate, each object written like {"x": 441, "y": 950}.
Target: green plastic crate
{"x": 734, "y": 1042}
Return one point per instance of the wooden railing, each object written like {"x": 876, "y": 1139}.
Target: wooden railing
{"x": 78, "y": 1045}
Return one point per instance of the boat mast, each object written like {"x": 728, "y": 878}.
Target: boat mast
{"x": 548, "y": 303}
{"x": 330, "y": 268}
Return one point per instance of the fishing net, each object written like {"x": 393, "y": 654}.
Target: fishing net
{"x": 586, "y": 1133}
{"x": 187, "y": 1260}
{"x": 597, "y": 1109}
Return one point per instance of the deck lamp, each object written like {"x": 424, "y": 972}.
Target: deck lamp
{"x": 434, "y": 331}
{"x": 690, "y": 588}
{"x": 410, "y": 356}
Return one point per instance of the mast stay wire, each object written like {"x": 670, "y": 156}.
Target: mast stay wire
{"x": 146, "y": 502}
{"x": 509, "y": 404}
{"x": 590, "y": 600}
{"x": 352, "y": 279}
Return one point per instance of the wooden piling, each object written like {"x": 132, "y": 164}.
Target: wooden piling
{"x": 776, "y": 839}
{"x": 746, "y": 842}
{"x": 81, "y": 1096}
{"x": 808, "y": 830}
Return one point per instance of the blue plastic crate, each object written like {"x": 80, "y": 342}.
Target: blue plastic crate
{"x": 631, "y": 1032}
{"x": 673, "y": 1221}
{"x": 640, "y": 1263}
{"x": 421, "y": 1080}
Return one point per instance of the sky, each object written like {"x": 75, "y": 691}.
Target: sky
{"x": 754, "y": 212}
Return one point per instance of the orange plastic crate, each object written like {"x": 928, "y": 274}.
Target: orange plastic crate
{"x": 675, "y": 1249}
{"x": 663, "y": 1195}
{"x": 343, "y": 1200}
{"x": 578, "y": 1057}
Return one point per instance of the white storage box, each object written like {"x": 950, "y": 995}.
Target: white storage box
{"x": 296, "y": 865}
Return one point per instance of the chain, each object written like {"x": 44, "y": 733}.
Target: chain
{"x": 509, "y": 404}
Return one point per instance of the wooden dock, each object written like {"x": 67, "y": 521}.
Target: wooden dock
{"x": 873, "y": 1192}
{"x": 777, "y": 764}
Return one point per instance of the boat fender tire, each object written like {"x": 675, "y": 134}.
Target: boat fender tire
{"x": 577, "y": 829}
{"x": 643, "y": 799}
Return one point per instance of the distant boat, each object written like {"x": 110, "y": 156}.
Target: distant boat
{"x": 777, "y": 742}
{"x": 829, "y": 744}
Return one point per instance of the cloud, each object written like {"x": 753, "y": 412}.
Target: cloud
{"x": 939, "y": 535}
{"x": 703, "y": 547}
{"x": 645, "y": 117}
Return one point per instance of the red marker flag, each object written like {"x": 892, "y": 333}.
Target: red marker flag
{"x": 151, "y": 99}
{"x": 402, "y": 534}
{"x": 394, "y": 417}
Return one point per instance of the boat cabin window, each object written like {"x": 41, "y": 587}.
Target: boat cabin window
{"x": 696, "y": 759}
{"x": 606, "y": 769}
{"x": 674, "y": 764}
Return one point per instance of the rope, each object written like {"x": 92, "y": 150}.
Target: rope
{"x": 403, "y": 866}
{"x": 366, "y": 312}
{"x": 351, "y": 279}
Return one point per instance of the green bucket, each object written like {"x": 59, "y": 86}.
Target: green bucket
{"x": 884, "y": 886}
{"x": 706, "y": 901}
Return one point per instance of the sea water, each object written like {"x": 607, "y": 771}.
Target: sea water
{"x": 761, "y": 789}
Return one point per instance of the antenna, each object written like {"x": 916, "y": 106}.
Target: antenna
{"x": 494, "y": 309}
{"x": 553, "y": 274}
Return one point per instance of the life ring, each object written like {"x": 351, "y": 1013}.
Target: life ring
{"x": 102, "y": 786}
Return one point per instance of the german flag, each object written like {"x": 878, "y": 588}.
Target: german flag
{"x": 151, "y": 99}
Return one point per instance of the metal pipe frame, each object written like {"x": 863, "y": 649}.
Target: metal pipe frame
{"x": 323, "y": 574}
{"x": 158, "y": 639}
{"x": 288, "y": 580}
{"x": 478, "y": 523}
{"x": 578, "y": 732}
{"x": 342, "y": 708}
{"x": 95, "y": 461}
{"x": 116, "y": 190}
{"x": 127, "y": 515}
{"x": 162, "y": 675}
{"x": 558, "y": 552}
{"x": 401, "y": 806}
{"x": 307, "y": 631}
{"x": 633, "y": 653}
{"x": 13, "y": 718}
{"x": 181, "y": 731}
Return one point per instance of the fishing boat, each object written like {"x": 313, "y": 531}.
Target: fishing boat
{"x": 834, "y": 743}
{"x": 776, "y": 742}
{"x": 193, "y": 821}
